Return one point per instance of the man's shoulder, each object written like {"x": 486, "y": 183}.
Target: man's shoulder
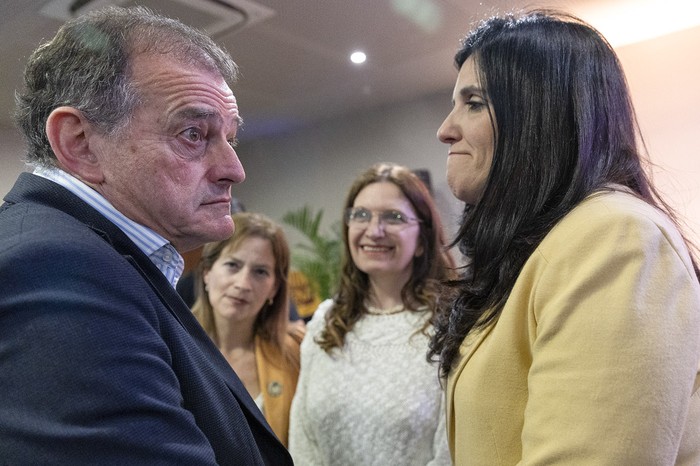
{"x": 28, "y": 224}
{"x": 47, "y": 242}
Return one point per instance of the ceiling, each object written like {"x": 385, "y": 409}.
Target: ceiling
{"x": 293, "y": 54}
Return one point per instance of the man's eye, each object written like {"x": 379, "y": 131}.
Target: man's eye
{"x": 233, "y": 142}
{"x": 192, "y": 134}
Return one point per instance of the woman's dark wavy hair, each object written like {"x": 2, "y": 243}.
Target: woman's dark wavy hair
{"x": 429, "y": 269}
{"x": 87, "y": 66}
{"x": 564, "y": 127}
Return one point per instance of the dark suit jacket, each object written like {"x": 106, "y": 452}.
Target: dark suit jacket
{"x": 101, "y": 362}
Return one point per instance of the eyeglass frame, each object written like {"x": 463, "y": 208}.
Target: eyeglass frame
{"x": 406, "y": 220}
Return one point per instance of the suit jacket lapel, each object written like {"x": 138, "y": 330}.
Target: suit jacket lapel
{"x": 32, "y": 188}
{"x": 183, "y": 314}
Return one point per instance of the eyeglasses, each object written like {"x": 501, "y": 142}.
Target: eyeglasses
{"x": 361, "y": 217}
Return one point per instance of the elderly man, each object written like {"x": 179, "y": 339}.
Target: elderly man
{"x": 131, "y": 126}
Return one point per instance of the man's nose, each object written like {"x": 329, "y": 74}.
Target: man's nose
{"x": 228, "y": 166}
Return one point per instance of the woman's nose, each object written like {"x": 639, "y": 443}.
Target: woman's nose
{"x": 447, "y": 133}
{"x": 241, "y": 282}
{"x": 375, "y": 227}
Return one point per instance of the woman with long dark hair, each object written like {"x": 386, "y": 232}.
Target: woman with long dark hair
{"x": 574, "y": 333}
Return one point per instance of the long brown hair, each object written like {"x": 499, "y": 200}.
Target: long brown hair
{"x": 271, "y": 323}
{"x": 429, "y": 269}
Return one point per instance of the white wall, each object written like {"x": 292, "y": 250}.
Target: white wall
{"x": 12, "y": 152}
{"x": 664, "y": 77}
{"x": 316, "y": 167}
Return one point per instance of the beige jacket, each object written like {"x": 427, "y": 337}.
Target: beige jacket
{"x": 595, "y": 359}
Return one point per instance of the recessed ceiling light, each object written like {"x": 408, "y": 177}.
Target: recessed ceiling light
{"x": 358, "y": 57}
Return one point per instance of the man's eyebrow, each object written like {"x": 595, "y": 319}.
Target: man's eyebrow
{"x": 195, "y": 113}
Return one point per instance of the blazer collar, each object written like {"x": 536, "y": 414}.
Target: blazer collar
{"x": 38, "y": 190}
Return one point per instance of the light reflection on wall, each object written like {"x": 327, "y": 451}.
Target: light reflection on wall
{"x": 625, "y": 22}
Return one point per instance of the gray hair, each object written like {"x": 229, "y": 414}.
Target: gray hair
{"x": 87, "y": 66}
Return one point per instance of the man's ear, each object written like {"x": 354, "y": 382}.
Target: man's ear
{"x": 69, "y": 134}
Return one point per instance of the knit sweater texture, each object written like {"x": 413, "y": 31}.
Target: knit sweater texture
{"x": 376, "y": 402}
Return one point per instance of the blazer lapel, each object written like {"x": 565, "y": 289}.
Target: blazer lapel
{"x": 183, "y": 314}
{"x": 32, "y": 188}
{"x": 466, "y": 350}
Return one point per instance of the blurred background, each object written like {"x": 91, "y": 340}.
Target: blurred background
{"x": 314, "y": 119}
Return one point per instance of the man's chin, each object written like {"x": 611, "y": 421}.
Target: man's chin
{"x": 221, "y": 230}
{"x": 216, "y": 231}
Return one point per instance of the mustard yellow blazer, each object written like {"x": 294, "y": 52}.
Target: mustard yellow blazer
{"x": 595, "y": 359}
{"x": 278, "y": 377}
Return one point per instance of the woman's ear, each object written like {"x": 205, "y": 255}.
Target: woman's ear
{"x": 205, "y": 279}
{"x": 275, "y": 289}
{"x": 69, "y": 133}
{"x": 419, "y": 249}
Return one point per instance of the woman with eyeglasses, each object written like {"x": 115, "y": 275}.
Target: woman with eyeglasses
{"x": 366, "y": 392}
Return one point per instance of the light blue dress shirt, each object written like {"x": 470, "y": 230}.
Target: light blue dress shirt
{"x": 157, "y": 248}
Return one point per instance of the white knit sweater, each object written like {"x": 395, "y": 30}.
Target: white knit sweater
{"x": 376, "y": 402}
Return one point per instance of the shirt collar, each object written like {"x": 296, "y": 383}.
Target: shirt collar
{"x": 158, "y": 249}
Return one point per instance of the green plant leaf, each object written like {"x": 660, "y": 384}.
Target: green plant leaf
{"x": 318, "y": 257}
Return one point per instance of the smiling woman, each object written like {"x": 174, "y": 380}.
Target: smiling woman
{"x": 367, "y": 394}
